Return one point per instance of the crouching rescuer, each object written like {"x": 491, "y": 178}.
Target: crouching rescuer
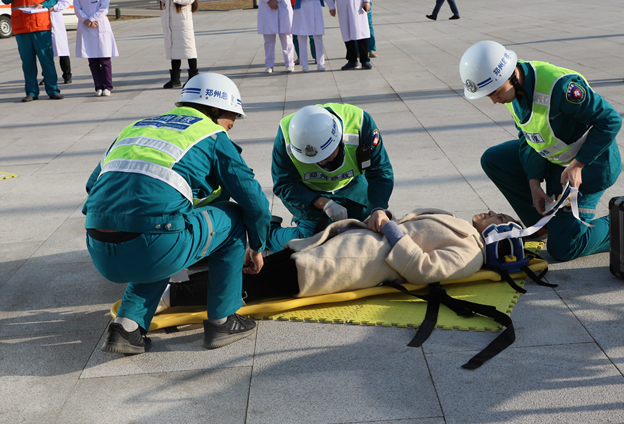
{"x": 158, "y": 203}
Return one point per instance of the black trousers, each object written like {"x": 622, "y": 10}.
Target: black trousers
{"x": 278, "y": 278}
{"x": 65, "y": 67}
{"x": 352, "y": 50}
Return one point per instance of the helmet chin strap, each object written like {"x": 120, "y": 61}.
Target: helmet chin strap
{"x": 513, "y": 79}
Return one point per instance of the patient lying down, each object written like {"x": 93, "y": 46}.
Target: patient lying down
{"x": 428, "y": 245}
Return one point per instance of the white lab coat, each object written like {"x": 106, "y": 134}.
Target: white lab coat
{"x": 94, "y": 42}
{"x": 178, "y": 31}
{"x": 308, "y": 20}
{"x": 59, "y": 34}
{"x": 353, "y": 19}
{"x": 275, "y": 21}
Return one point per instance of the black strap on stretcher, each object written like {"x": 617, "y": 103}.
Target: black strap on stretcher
{"x": 537, "y": 278}
{"x": 437, "y": 295}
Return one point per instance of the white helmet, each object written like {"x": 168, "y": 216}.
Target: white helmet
{"x": 484, "y": 67}
{"x": 214, "y": 90}
{"x": 314, "y": 134}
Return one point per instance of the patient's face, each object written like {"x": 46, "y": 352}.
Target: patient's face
{"x": 482, "y": 220}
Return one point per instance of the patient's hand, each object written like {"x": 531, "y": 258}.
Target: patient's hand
{"x": 377, "y": 220}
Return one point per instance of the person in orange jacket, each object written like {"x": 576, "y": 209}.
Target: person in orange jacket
{"x": 33, "y": 32}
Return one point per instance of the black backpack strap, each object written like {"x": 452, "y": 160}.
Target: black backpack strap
{"x": 439, "y": 296}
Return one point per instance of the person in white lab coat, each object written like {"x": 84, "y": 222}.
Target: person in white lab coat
{"x": 96, "y": 42}
{"x": 308, "y": 20}
{"x": 179, "y": 37}
{"x": 59, "y": 40}
{"x": 353, "y": 18}
{"x": 275, "y": 17}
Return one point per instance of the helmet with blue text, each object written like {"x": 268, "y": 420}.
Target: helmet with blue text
{"x": 484, "y": 67}
{"x": 213, "y": 90}
{"x": 315, "y": 134}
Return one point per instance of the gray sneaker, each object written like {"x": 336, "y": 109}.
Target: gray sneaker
{"x": 235, "y": 328}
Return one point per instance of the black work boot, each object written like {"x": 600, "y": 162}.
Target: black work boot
{"x": 174, "y": 82}
{"x": 118, "y": 340}
{"x": 235, "y": 328}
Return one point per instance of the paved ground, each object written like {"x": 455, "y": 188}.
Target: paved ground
{"x": 565, "y": 367}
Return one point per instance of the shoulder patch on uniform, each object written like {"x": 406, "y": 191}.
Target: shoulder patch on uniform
{"x": 375, "y": 141}
{"x": 575, "y": 94}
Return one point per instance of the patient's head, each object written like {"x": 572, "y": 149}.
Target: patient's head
{"x": 482, "y": 220}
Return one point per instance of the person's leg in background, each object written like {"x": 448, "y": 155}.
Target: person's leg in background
{"x": 436, "y": 10}
{"x": 372, "y": 47}
{"x": 303, "y": 53}
{"x": 363, "y": 48}
{"x": 26, "y": 49}
{"x": 66, "y": 68}
{"x": 106, "y": 68}
{"x": 96, "y": 73}
{"x": 312, "y": 47}
{"x": 352, "y": 54}
{"x": 320, "y": 58}
{"x": 288, "y": 51}
{"x": 192, "y": 71}
{"x": 42, "y": 40}
{"x": 269, "y": 52}
{"x": 174, "y": 73}
{"x": 453, "y": 9}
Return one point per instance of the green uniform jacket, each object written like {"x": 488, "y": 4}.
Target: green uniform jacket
{"x": 372, "y": 189}
{"x": 141, "y": 204}
{"x": 570, "y": 118}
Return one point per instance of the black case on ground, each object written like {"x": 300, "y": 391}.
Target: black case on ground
{"x": 616, "y": 236}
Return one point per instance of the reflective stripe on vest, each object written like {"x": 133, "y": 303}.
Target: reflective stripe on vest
{"x": 152, "y": 146}
{"x": 23, "y": 23}
{"x": 317, "y": 178}
{"x": 537, "y": 130}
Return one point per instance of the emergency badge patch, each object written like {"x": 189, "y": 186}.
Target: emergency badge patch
{"x": 375, "y": 141}
{"x": 575, "y": 93}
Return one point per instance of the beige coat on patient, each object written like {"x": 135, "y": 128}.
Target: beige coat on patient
{"x": 437, "y": 246}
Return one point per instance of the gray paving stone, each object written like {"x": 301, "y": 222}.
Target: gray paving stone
{"x": 204, "y": 395}
{"x": 571, "y": 383}
{"x": 308, "y": 373}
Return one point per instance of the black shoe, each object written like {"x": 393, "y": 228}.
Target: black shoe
{"x": 433, "y": 18}
{"x": 119, "y": 340}
{"x": 57, "y": 96}
{"x": 174, "y": 82}
{"x": 235, "y": 328}
{"x": 350, "y": 65}
{"x": 67, "y": 80}
{"x": 29, "y": 98}
{"x": 42, "y": 82}
{"x": 454, "y": 17}
{"x": 367, "y": 65}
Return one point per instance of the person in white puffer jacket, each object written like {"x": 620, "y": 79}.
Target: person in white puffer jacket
{"x": 179, "y": 37}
